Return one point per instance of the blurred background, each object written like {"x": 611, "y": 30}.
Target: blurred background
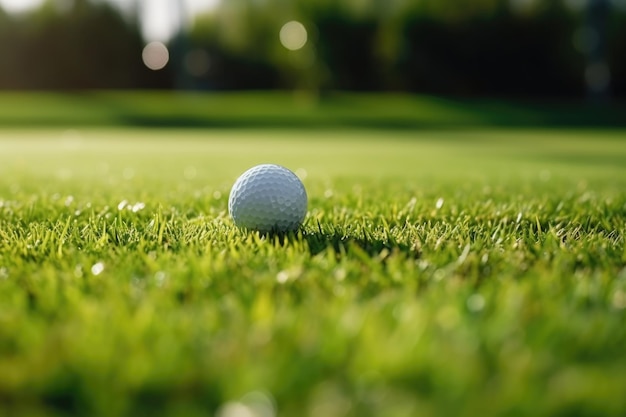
{"x": 571, "y": 49}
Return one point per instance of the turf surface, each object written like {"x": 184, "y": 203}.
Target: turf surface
{"x": 438, "y": 273}
{"x": 282, "y": 109}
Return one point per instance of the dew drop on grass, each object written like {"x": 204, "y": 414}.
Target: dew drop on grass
{"x": 282, "y": 277}
{"x": 439, "y": 203}
{"x": 137, "y": 283}
{"x": 475, "y": 303}
{"x": 122, "y": 204}
{"x": 439, "y": 274}
{"x": 235, "y": 409}
{"x": 463, "y": 257}
{"x": 138, "y": 207}
{"x": 340, "y": 274}
{"x": 97, "y": 268}
{"x": 160, "y": 278}
{"x": 262, "y": 403}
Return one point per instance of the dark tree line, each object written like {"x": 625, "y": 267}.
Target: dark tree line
{"x": 459, "y": 47}
{"x": 87, "y": 46}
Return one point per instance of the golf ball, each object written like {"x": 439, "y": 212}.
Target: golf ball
{"x": 268, "y": 198}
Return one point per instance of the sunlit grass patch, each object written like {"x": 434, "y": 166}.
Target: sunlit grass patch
{"x": 436, "y": 273}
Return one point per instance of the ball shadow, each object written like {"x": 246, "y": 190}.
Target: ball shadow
{"x": 318, "y": 241}
{"x": 347, "y": 245}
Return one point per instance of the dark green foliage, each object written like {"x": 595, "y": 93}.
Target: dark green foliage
{"x": 87, "y": 46}
{"x": 454, "y": 47}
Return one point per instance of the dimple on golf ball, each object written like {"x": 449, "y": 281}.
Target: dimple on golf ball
{"x": 268, "y": 198}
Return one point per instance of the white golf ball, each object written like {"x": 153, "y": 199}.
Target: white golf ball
{"x": 268, "y": 198}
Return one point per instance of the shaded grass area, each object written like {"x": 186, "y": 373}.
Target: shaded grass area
{"x": 289, "y": 110}
{"x": 438, "y": 273}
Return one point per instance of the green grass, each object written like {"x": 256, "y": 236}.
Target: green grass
{"x": 438, "y": 273}
{"x": 284, "y": 109}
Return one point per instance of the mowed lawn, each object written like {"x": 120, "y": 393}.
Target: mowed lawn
{"x": 438, "y": 273}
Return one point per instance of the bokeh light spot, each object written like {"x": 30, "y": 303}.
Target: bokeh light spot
{"x": 197, "y": 63}
{"x": 475, "y": 303}
{"x": 619, "y": 4}
{"x": 598, "y": 77}
{"x": 97, "y": 268}
{"x": 575, "y": 5}
{"x": 293, "y": 35}
{"x": 586, "y": 39}
{"x": 521, "y": 6}
{"x": 155, "y": 55}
